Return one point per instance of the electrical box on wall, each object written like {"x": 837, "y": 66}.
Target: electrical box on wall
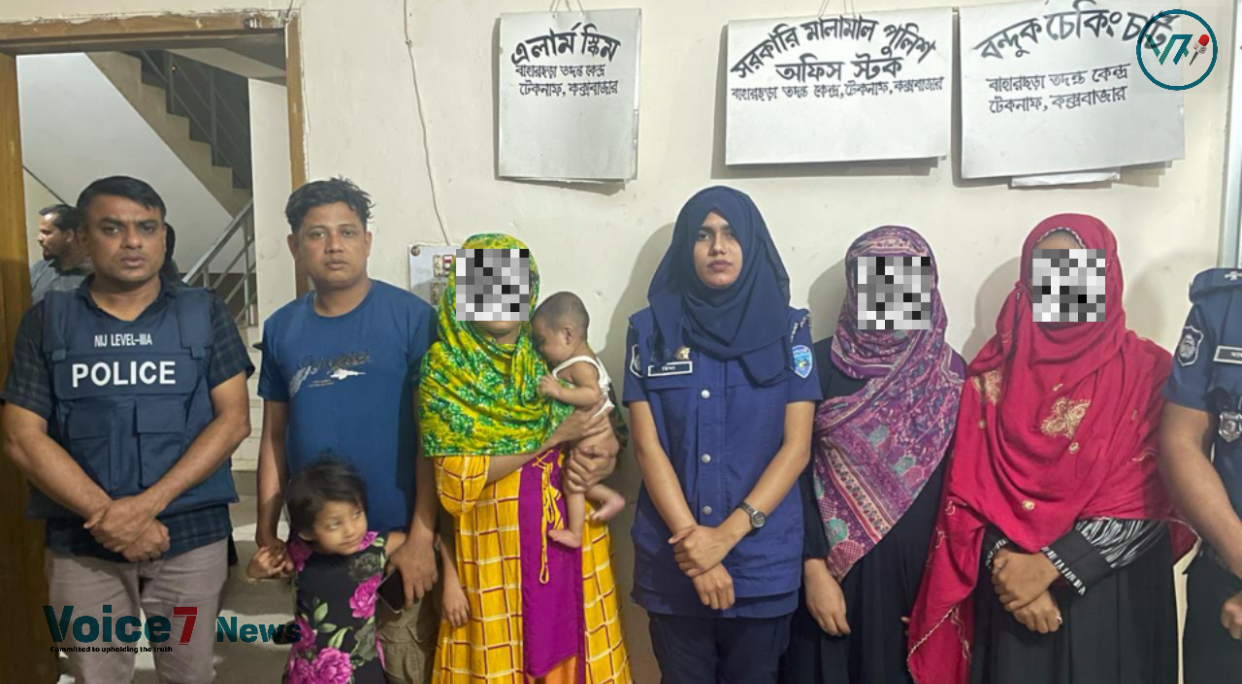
{"x": 430, "y": 266}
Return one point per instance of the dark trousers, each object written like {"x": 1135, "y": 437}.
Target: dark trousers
{"x": 718, "y": 650}
{"x": 1210, "y": 654}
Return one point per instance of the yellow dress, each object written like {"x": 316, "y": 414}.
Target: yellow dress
{"x": 488, "y": 648}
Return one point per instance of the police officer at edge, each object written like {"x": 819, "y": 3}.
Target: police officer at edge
{"x": 1204, "y": 415}
{"x": 124, "y": 403}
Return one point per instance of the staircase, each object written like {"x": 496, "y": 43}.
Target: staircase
{"x": 234, "y": 280}
{"x": 216, "y": 102}
{"x": 200, "y": 112}
{"x": 238, "y": 288}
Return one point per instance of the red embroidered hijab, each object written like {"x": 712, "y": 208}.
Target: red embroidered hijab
{"x": 1058, "y": 423}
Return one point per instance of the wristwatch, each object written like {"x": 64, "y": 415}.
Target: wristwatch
{"x": 757, "y": 517}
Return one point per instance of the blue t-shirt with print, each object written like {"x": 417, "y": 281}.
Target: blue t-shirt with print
{"x": 349, "y": 382}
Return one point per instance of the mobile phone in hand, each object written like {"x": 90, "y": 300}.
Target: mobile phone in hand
{"x": 392, "y": 592}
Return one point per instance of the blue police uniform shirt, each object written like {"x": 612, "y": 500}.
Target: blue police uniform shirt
{"x": 720, "y": 431}
{"x": 349, "y": 382}
{"x": 1207, "y": 368}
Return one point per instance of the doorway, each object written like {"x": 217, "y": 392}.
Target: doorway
{"x": 197, "y": 56}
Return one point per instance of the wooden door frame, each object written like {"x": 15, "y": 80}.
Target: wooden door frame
{"x": 111, "y": 33}
{"x": 21, "y": 565}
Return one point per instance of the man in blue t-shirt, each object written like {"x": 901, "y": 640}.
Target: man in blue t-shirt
{"x": 340, "y": 375}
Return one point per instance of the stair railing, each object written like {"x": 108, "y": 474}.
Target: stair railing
{"x": 203, "y": 105}
{"x": 237, "y": 239}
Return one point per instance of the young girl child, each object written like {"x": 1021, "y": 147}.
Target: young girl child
{"x": 560, "y": 327}
{"x": 339, "y": 565}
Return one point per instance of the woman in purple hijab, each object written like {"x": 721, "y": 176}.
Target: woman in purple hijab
{"x": 891, "y": 386}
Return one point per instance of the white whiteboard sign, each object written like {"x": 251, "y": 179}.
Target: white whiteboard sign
{"x": 569, "y": 95}
{"x": 1056, "y": 87}
{"x": 840, "y": 88}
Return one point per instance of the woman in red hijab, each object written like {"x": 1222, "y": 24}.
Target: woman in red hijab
{"x": 1052, "y": 562}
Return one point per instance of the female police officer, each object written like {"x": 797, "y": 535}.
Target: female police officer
{"x": 721, "y": 387}
{"x": 1204, "y": 415}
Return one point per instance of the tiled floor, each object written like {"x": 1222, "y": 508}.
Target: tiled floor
{"x": 263, "y": 603}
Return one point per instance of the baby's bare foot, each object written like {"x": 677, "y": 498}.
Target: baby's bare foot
{"x": 609, "y": 507}
{"x": 566, "y": 538}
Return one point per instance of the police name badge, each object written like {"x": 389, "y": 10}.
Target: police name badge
{"x": 803, "y": 360}
{"x": 1230, "y": 426}
{"x": 1226, "y": 354}
{"x": 1188, "y": 347}
{"x": 671, "y": 368}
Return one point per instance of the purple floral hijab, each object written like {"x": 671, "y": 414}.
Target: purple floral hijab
{"x": 875, "y": 449}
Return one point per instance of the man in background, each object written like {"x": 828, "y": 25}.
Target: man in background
{"x": 64, "y": 265}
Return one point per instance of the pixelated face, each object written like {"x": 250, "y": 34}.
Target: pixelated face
{"x": 894, "y": 293}
{"x": 493, "y": 284}
{"x": 1068, "y": 285}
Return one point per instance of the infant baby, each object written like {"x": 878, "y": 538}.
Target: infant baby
{"x": 560, "y": 327}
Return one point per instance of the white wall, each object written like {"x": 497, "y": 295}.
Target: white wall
{"x": 269, "y": 148}
{"x": 76, "y": 127}
{"x": 37, "y": 196}
{"x": 814, "y": 212}
{"x": 604, "y": 242}
{"x": 361, "y": 122}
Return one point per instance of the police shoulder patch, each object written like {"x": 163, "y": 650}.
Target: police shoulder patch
{"x": 1188, "y": 346}
{"x": 803, "y": 360}
{"x": 636, "y": 364}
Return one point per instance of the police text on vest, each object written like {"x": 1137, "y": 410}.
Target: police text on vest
{"x": 120, "y": 374}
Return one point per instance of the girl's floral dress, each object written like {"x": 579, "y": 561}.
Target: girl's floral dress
{"x": 336, "y": 615}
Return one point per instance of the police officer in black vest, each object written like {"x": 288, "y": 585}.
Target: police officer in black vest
{"x": 125, "y": 400}
{"x": 1201, "y": 458}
